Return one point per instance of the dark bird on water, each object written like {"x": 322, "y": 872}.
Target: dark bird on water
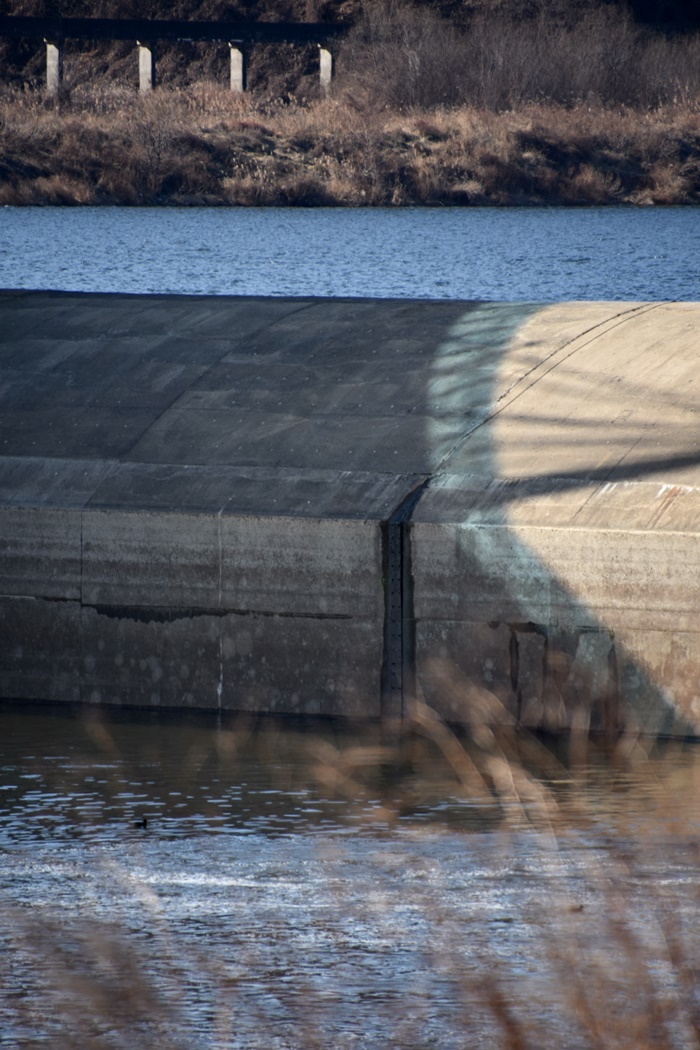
{"x": 142, "y": 822}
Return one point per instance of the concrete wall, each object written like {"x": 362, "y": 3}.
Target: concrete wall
{"x": 564, "y": 626}
{"x": 336, "y": 506}
{"x": 210, "y": 611}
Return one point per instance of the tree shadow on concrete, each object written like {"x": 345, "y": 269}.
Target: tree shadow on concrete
{"x": 301, "y": 505}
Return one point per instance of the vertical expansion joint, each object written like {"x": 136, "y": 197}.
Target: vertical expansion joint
{"x": 612, "y": 719}
{"x": 392, "y": 678}
{"x": 408, "y": 619}
{"x": 399, "y": 664}
{"x": 514, "y": 654}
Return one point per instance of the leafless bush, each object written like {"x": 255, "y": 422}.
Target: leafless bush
{"x": 403, "y": 57}
{"x": 209, "y": 145}
{"x": 155, "y": 125}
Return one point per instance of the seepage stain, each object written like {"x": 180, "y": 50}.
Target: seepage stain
{"x": 565, "y": 668}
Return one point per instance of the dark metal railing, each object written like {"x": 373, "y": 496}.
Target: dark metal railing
{"x": 155, "y": 30}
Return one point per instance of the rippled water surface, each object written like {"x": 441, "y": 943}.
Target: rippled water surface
{"x": 542, "y": 254}
{"x": 319, "y": 886}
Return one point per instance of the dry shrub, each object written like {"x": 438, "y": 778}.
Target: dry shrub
{"x": 667, "y": 185}
{"x": 588, "y": 185}
{"x": 626, "y": 946}
{"x": 94, "y": 987}
{"x": 207, "y": 144}
{"x": 58, "y": 189}
{"x": 215, "y": 104}
{"x": 306, "y": 191}
{"x": 405, "y": 56}
{"x": 251, "y": 189}
{"x": 155, "y": 127}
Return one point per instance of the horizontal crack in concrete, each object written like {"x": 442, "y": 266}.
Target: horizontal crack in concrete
{"x": 145, "y": 614}
{"x": 168, "y": 614}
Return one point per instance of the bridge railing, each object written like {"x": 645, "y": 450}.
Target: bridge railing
{"x": 146, "y": 33}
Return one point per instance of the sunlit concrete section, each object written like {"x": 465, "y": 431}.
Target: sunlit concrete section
{"x": 336, "y": 506}
{"x": 556, "y": 552}
{"x": 54, "y": 67}
{"x": 147, "y": 66}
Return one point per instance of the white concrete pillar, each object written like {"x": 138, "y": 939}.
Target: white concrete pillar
{"x": 238, "y": 70}
{"x": 54, "y": 68}
{"x": 147, "y": 67}
{"x": 325, "y": 67}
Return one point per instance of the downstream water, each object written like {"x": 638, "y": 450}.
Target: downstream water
{"x": 538, "y": 254}
{"x": 317, "y": 887}
{"x": 314, "y": 886}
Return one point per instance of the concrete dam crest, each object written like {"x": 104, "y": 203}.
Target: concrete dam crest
{"x": 338, "y": 506}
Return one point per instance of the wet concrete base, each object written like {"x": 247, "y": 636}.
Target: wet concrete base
{"x": 337, "y": 506}
{"x": 279, "y": 615}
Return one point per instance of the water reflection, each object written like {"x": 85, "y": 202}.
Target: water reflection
{"x": 77, "y": 776}
{"x": 321, "y": 886}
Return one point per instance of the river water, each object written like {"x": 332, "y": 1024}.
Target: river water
{"x": 541, "y": 254}
{"x": 317, "y": 885}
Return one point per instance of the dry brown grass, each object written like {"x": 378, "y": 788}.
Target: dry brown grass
{"x": 206, "y": 145}
{"x": 421, "y": 113}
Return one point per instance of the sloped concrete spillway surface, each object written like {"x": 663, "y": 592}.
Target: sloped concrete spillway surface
{"x": 330, "y": 506}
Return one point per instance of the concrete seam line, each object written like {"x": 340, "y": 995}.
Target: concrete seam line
{"x": 169, "y": 614}
{"x": 501, "y": 404}
{"x": 304, "y": 305}
{"x": 398, "y": 660}
{"x": 608, "y": 325}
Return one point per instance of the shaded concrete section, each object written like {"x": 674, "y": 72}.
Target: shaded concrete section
{"x": 331, "y": 506}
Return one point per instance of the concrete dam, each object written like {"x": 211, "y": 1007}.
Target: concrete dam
{"x": 329, "y": 506}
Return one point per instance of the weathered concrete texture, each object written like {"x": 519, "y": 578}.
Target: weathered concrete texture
{"x": 238, "y": 68}
{"x": 41, "y": 652}
{"x": 576, "y": 520}
{"x": 318, "y": 506}
{"x": 147, "y": 67}
{"x": 54, "y": 68}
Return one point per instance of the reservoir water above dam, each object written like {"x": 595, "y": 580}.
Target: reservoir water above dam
{"x": 539, "y": 254}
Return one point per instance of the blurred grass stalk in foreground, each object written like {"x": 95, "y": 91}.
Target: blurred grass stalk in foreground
{"x": 594, "y": 946}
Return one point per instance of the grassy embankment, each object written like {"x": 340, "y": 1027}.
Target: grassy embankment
{"x": 421, "y": 113}
{"x": 204, "y": 147}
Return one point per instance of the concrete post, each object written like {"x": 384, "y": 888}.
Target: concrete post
{"x": 147, "y": 67}
{"x": 54, "y": 68}
{"x": 326, "y": 68}
{"x": 238, "y": 69}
